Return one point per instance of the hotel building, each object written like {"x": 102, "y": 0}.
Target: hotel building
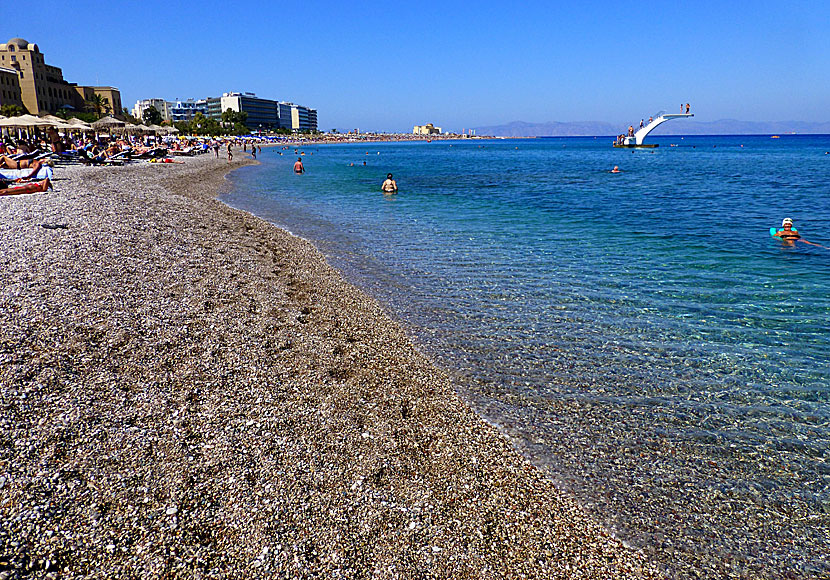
{"x": 10, "y": 87}
{"x": 184, "y": 111}
{"x": 263, "y": 114}
{"x": 42, "y": 86}
{"x": 297, "y": 117}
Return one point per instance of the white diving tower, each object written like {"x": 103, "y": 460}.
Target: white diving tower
{"x": 637, "y": 139}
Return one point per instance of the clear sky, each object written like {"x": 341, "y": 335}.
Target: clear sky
{"x": 389, "y": 65}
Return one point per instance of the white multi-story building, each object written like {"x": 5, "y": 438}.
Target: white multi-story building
{"x": 183, "y": 111}
{"x": 297, "y": 117}
{"x": 159, "y": 105}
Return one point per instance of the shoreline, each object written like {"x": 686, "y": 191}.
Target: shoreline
{"x": 189, "y": 390}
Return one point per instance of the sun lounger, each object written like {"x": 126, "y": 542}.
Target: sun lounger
{"x": 44, "y": 173}
{"x": 86, "y": 157}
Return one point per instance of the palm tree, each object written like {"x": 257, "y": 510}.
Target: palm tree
{"x": 98, "y": 104}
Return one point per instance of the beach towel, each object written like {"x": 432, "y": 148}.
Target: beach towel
{"x": 44, "y": 173}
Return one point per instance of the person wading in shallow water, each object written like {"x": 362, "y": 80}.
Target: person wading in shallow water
{"x": 230, "y": 153}
{"x": 298, "y": 166}
{"x": 389, "y": 186}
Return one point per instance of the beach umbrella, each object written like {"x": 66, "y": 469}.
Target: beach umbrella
{"x": 23, "y": 121}
{"x": 79, "y": 125}
{"x": 108, "y": 122}
{"x": 53, "y": 119}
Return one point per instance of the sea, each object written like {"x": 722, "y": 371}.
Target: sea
{"x": 638, "y": 335}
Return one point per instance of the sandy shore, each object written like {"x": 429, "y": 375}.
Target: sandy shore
{"x": 187, "y": 391}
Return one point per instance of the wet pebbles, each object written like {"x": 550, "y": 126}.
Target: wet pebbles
{"x": 189, "y": 392}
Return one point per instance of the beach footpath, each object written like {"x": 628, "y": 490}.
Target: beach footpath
{"x": 187, "y": 391}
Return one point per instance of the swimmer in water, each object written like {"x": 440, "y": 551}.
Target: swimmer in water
{"x": 790, "y": 236}
{"x": 298, "y": 166}
{"x": 389, "y": 186}
{"x": 616, "y": 169}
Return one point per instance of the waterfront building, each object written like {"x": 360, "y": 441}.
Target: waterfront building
{"x": 184, "y": 111}
{"x": 159, "y": 105}
{"x": 297, "y": 117}
{"x": 110, "y": 95}
{"x": 263, "y": 114}
{"x": 214, "y": 107}
{"x": 42, "y": 86}
{"x": 428, "y": 129}
{"x": 10, "y": 87}
{"x": 285, "y": 114}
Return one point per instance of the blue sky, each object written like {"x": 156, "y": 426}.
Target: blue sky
{"x": 389, "y": 65}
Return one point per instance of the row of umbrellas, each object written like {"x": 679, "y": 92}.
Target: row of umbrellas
{"x": 108, "y": 123}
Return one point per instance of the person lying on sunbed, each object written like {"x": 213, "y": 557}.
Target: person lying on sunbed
{"x": 9, "y": 163}
{"x": 7, "y": 187}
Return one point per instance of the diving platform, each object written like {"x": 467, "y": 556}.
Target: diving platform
{"x": 637, "y": 139}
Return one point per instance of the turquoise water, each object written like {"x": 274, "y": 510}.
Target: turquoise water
{"x": 639, "y": 334}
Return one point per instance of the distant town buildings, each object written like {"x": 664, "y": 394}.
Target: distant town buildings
{"x": 427, "y": 129}
{"x": 160, "y": 105}
{"x": 184, "y": 111}
{"x": 40, "y": 87}
{"x": 263, "y": 114}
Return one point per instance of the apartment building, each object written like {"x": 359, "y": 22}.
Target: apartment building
{"x": 160, "y": 105}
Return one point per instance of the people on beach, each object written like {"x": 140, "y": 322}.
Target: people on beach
{"x": 298, "y": 166}
{"x": 33, "y": 164}
{"x": 253, "y": 151}
{"x": 230, "y": 152}
{"x": 389, "y": 186}
{"x": 6, "y": 187}
{"x": 216, "y": 149}
{"x": 165, "y": 160}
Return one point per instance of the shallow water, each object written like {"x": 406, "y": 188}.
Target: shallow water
{"x": 640, "y": 334}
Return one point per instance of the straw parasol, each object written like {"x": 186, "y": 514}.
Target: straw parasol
{"x": 57, "y": 122}
{"x": 79, "y": 125}
{"x": 108, "y": 122}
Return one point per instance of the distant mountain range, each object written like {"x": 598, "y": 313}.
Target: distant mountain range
{"x": 676, "y": 127}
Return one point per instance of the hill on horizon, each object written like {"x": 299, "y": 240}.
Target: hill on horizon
{"x": 676, "y": 127}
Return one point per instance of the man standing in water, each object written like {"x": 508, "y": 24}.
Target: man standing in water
{"x": 298, "y": 166}
{"x": 389, "y": 186}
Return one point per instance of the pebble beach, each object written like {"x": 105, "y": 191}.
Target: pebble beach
{"x": 187, "y": 391}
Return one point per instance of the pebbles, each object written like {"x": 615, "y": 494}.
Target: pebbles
{"x": 187, "y": 391}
